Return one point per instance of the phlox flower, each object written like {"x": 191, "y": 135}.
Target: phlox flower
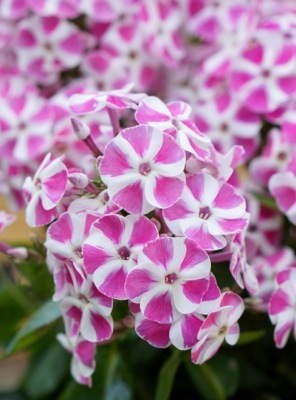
{"x": 173, "y": 118}
{"x": 83, "y": 353}
{"x": 277, "y": 155}
{"x": 46, "y": 46}
{"x": 264, "y": 76}
{"x": 124, "y": 56}
{"x": 111, "y": 250}
{"x": 263, "y": 234}
{"x": 242, "y": 272}
{"x": 226, "y": 121}
{"x": 64, "y": 275}
{"x": 220, "y": 165}
{"x": 170, "y": 279}
{"x": 283, "y": 187}
{"x": 44, "y": 192}
{"x": 87, "y": 312}
{"x": 218, "y": 325}
{"x": 207, "y": 211}
{"x": 266, "y": 269}
{"x": 182, "y": 333}
{"x": 25, "y": 122}
{"x": 143, "y": 169}
{"x": 65, "y": 237}
{"x": 282, "y": 307}
{"x": 162, "y": 25}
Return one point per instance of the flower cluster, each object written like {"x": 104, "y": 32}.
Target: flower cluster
{"x": 122, "y": 126}
{"x": 143, "y": 229}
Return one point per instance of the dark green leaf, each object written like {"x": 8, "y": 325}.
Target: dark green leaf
{"x": 35, "y": 326}
{"x": 47, "y": 372}
{"x": 250, "y": 336}
{"x": 215, "y": 379}
{"x": 166, "y": 376}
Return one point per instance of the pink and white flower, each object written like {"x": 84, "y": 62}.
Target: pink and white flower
{"x": 282, "y": 307}
{"x": 277, "y": 155}
{"x": 111, "y": 250}
{"x": 26, "y": 123}
{"x": 143, "y": 169}
{"x": 266, "y": 269}
{"x": 218, "y": 325}
{"x": 207, "y": 211}
{"x": 283, "y": 187}
{"x": 83, "y": 353}
{"x": 44, "y": 192}
{"x": 46, "y": 46}
{"x": 173, "y": 118}
{"x": 264, "y": 76}
{"x": 88, "y": 313}
{"x": 65, "y": 237}
{"x": 170, "y": 279}
{"x": 227, "y": 122}
{"x": 242, "y": 272}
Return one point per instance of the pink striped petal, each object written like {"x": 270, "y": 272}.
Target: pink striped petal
{"x": 139, "y": 281}
{"x": 158, "y": 306}
{"x": 110, "y": 279}
{"x": 164, "y": 191}
{"x": 154, "y": 333}
{"x": 152, "y": 109}
{"x": 183, "y": 332}
{"x": 144, "y": 231}
{"x": 187, "y": 296}
{"x": 95, "y": 327}
{"x": 205, "y": 348}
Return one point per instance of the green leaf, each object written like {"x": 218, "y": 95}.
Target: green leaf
{"x": 35, "y": 326}
{"x": 166, "y": 376}
{"x": 11, "y": 313}
{"x": 47, "y": 372}
{"x": 250, "y": 336}
{"x": 265, "y": 200}
{"x": 216, "y": 379}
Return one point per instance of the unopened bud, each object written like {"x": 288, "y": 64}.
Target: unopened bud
{"x": 81, "y": 130}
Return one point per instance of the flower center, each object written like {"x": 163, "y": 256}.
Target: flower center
{"x": 282, "y": 156}
{"x": 144, "y": 169}
{"x": 124, "y": 253}
{"x": 83, "y": 298}
{"x": 205, "y": 213}
{"x": 78, "y": 252}
{"x": 171, "y": 278}
{"x": 176, "y": 123}
{"x": 38, "y": 184}
{"x": 222, "y": 330}
{"x": 224, "y": 127}
{"x": 266, "y": 73}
